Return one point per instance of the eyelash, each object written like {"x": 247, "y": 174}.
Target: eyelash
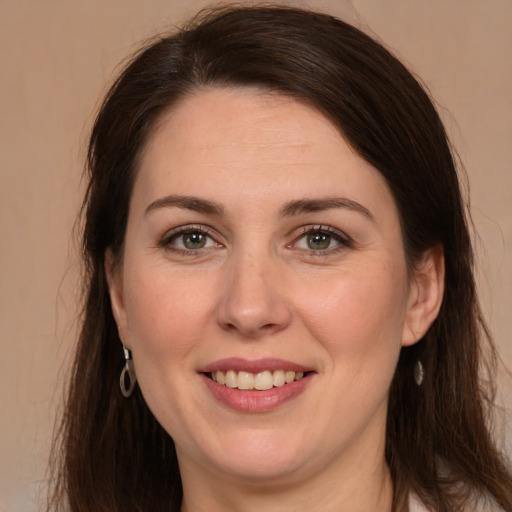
{"x": 343, "y": 240}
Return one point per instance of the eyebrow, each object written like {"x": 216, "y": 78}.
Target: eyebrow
{"x": 290, "y": 209}
{"x": 187, "y": 202}
{"x": 317, "y": 205}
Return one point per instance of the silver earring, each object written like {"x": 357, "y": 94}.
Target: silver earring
{"x": 128, "y": 378}
{"x": 419, "y": 373}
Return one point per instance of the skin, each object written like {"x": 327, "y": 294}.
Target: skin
{"x": 259, "y": 289}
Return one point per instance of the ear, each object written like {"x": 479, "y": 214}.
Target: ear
{"x": 425, "y": 295}
{"x": 115, "y": 288}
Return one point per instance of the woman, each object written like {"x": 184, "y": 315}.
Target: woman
{"x": 279, "y": 279}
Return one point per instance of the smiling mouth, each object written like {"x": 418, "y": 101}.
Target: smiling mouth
{"x": 261, "y": 381}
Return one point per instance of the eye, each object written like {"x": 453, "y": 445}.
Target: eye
{"x": 321, "y": 239}
{"x": 192, "y": 240}
{"x": 189, "y": 238}
{"x": 318, "y": 240}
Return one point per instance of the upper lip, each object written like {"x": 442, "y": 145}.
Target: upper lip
{"x": 253, "y": 366}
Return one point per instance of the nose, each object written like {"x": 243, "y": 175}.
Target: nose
{"x": 253, "y": 301}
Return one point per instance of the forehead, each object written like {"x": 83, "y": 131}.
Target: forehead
{"x": 251, "y": 141}
{"x": 251, "y": 118}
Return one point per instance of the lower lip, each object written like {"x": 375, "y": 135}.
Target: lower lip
{"x": 256, "y": 401}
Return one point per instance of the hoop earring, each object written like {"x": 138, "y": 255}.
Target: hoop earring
{"x": 128, "y": 378}
{"x": 419, "y": 373}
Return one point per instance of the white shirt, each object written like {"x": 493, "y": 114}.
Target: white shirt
{"x": 415, "y": 505}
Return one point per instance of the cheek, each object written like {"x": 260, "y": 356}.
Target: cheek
{"x": 166, "y": 311}
{"x": 358, "y": 321}
{"x": 358, "y": 315}
{"x": 166, "y": 319}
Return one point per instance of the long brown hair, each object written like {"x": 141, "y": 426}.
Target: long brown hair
{"x": 114, "y": 456}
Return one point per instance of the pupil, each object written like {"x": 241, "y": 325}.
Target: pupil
{"x": 319, "y": 241}
{"x": 194, "y": 240}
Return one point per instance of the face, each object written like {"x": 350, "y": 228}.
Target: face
{"x": 263, "y": 288}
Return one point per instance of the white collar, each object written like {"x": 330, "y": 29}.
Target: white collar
{"x": 415, "y": 505}
{"x": 483, "y": 505}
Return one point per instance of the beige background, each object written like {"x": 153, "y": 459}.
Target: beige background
{"x": 56, "y": 58}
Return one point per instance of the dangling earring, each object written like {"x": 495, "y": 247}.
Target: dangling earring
{"x": 128, "y": 378}
{"x": 419, "y": 373}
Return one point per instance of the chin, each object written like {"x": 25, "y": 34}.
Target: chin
{"x": 272, "y": 470}
{"x": 262, "y": 458}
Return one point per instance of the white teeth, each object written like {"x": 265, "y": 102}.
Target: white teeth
{"x": 221, "y": 379}
{"x": 289, "y": 376}
{"x": 245, "y": 380}
{"x": 261, "y": 381}
{"x": 278, "y": 378}
{"x": 231, "y": 379}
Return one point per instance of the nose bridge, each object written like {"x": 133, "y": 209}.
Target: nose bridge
{"x": 253, "y": 303}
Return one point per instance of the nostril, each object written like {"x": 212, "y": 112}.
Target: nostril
{"x": 270, "y": 327}
{"x": 252, "y": 330}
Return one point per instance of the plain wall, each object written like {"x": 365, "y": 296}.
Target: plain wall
{"x": 57, "y": 58}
